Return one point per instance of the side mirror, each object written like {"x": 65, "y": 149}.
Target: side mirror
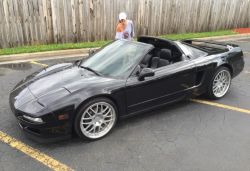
{"x": 91, "y": 51}
{"x": 137, "y": 70}
{"x": 146, "y": 72}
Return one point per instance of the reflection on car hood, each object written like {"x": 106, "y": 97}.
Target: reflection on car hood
{"x": 65, "y": 75}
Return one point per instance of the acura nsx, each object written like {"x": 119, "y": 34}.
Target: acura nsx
{"x": 121, "y": 79}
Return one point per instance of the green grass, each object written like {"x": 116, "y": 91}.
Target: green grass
{"x": 42, "y": 48}
{"x": 198, "y": 35}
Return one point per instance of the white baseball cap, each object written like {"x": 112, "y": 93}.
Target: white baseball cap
{"x": 122, "y": 16}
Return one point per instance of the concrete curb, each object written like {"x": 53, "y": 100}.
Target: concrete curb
{"x": 227, "y": 37}
{"x": 84, "y": 52}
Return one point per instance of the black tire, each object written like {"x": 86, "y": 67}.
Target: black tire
{"x": 210, "y": 93}
{"x": 82, "y": 113}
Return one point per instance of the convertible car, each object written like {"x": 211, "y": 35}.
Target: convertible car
{"x": 119, "y": 80}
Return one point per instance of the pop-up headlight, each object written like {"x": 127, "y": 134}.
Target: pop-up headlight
{"x": 51, "y": 97}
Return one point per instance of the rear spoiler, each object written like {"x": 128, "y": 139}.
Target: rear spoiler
{"x": 229, "y": 46}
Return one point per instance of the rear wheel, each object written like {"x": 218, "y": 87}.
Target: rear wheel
{"x": 95, "y": 119}
{"x": 220, "y": 83}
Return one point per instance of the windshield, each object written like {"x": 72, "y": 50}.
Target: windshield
{"x": 115, "y": 59}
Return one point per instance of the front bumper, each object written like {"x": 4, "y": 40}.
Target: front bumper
{"x": 46, "y": 135}
{"x": 49, "y": 131}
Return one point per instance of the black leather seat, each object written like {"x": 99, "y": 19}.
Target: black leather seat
{"x": 176, "y": 57}
{"x": 163, "y": 60}
{"x": 156, "y": 52}
{"x": 145, "y": 63}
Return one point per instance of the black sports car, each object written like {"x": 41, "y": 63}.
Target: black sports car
{"x": 119, "y": 80}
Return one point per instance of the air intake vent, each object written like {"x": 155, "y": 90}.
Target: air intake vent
{"x": 199, "y": 76}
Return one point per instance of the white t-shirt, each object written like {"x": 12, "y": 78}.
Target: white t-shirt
{"x": 128, "y": 33}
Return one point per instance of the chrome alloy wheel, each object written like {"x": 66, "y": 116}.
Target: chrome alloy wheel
{"x": 221, "y": 83}
{"x": 97, "y": 120}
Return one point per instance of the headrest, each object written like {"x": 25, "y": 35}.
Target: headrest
{"x": 165, "y": 54}
{"x": 146, "y": 59}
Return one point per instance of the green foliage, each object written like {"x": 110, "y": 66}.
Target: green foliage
{"x": 42, "y": 48}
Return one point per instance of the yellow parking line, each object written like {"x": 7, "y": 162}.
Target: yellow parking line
{"x": 221, "y": 105}
{"x": 34, "y": 153}
{"x": 247, "y": 72}
{"x": 247, "y": 52}
{"x": 33, "y": 62}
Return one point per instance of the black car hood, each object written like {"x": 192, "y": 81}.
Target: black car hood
{"x": 65, "y": 75}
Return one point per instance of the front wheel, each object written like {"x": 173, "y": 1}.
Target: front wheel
{"x": 95, "y": 119}
{"x": 220, "y": 83}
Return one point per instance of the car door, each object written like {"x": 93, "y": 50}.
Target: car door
{"x": 169, "y": 84}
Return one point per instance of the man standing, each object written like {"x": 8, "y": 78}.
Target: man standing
{"x": 125, "y": 28}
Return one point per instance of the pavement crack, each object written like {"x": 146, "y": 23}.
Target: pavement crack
{"x": 128, "y": 149}
{"x": 210, "y": 139}
{"x": 203, "y": 129}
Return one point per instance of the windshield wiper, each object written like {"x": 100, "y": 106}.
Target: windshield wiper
{"x": 87, "y": 68}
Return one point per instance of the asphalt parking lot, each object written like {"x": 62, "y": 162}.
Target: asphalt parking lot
{"x": 184, "y": 136}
